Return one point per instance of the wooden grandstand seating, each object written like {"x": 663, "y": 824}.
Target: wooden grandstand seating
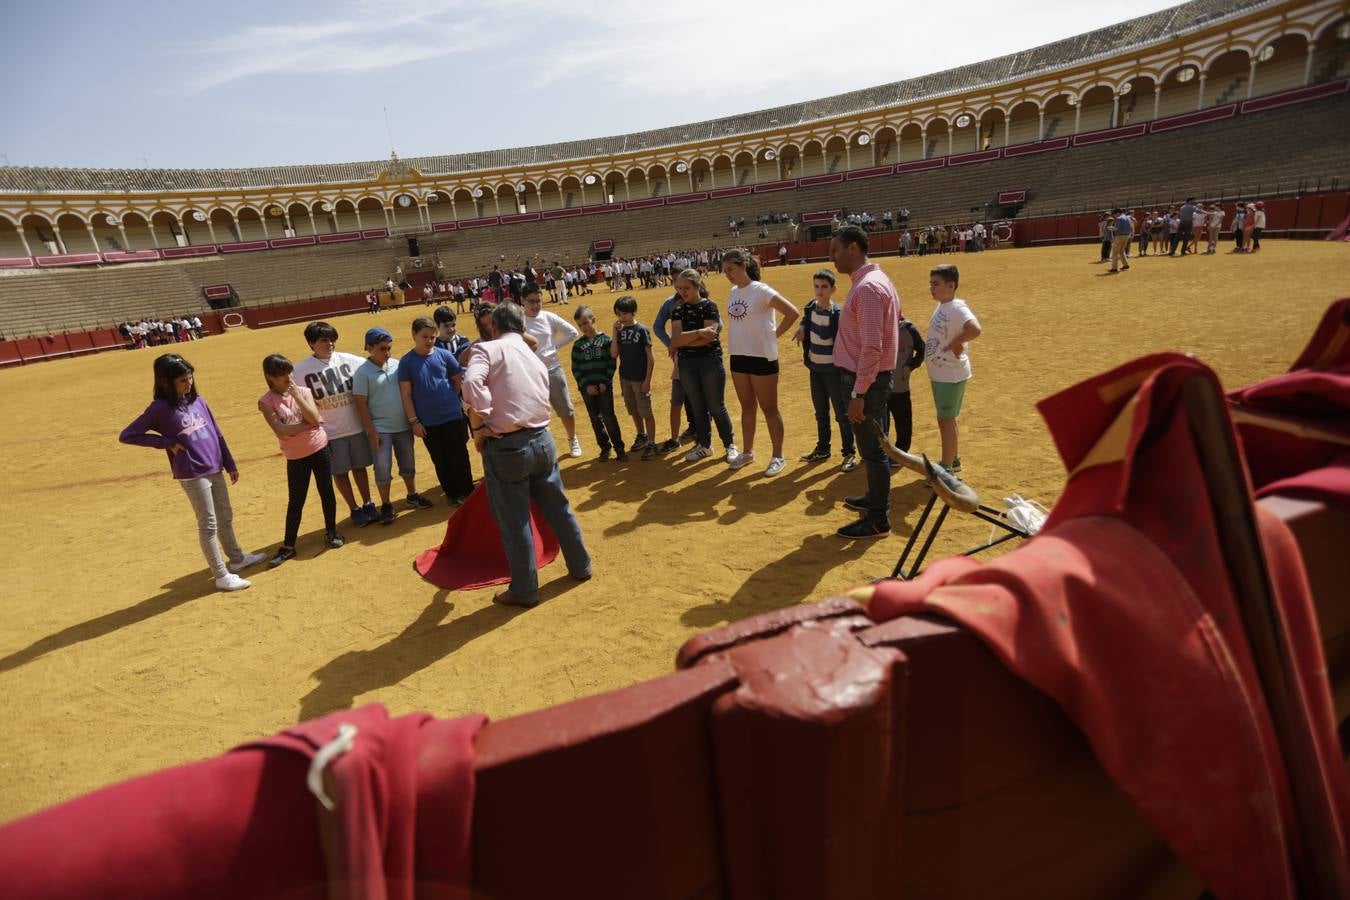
{"x": 1240, "y": 157}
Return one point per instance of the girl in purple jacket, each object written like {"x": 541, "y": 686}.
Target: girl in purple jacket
{"x": 180, "y": 423}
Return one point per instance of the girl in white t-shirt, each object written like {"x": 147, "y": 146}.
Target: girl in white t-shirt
{"x": 752, "y": 342}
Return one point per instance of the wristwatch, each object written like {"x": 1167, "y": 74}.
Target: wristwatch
{"x": 857, "y": 396}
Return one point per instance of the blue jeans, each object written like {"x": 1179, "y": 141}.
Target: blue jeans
{"x": 705, "y": 386}
{"x": 827, "y": 391}
{"x": 869, "y": 447}
{"x": 520, "y": 467}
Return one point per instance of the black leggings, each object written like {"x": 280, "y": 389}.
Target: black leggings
{"x": 298, "y": 471}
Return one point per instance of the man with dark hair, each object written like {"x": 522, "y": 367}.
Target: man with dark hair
{"x": 865, "y": 353}
{"x": 1186, "y": 230}
{"x": 506, "y": 388}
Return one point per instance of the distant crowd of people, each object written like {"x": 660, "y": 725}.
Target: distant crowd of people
{"x": 156, "y": 332}
{"x": 1178, "y": 231}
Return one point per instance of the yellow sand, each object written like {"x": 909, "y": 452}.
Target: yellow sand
{"x": 117, "y": 656}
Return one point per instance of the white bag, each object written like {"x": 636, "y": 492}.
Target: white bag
{"x": 1027, "y": 515}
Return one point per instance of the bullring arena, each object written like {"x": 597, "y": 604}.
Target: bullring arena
{"x": 119, "y": 658}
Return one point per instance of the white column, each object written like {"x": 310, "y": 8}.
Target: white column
{"x": 691, "y": 179}
{"x": 122, "y": 230}
{"x": 388, "y": 217}
{"x": 56, "y": 233}
{"x": 1307, "y": 66}
{"x": 756, "y": 170}
{"x": 1077, "y": 115}
{"x": 262, "y": 220}
{"x": 23, "y": 239}
{"x": 154, "y": 238}
{"x": 1115, "y": 110}
{"x": 951, "y": 137}
{"x": 423, "y": 216}
{"x": 1200, "y": 97}
{"x": 497, "y": 203}
{"x": 848, "y": 159}
{"x": 93, "y": 237}
{"x": 1251, "y": 78}
{"x": 627, "y": 190}
{"x": 357, "y": 211}
{"x": 1040, "y": 128}
{"x": 313, "y": 229}
{"x": 211, "y": 230}
{"x": 1157, "y": 99}
{"x": 287, "y": 225}
{"x": 1007, "y": 129}
{"x": 923, "y": 142}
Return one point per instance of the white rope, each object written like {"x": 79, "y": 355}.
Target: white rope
{"x": 343, "y": 743}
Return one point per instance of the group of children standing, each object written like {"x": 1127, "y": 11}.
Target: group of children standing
{"x": 335, "y": 414}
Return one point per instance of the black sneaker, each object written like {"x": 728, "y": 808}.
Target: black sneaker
{"x": 816, "y": 455}
{"x": 333, "y": 539}
{"x": 956, "y": 464}
{"x": 283, "y": 554}
{"x": 667, "y": 446}
{"x": 863, "y": 530}
{"x": 359, "y": 518}
{"x": 372, "y": 514}
{"x": 639, "y": 443}
{"x": 857, "y": 504}
{"x": 687, "y": 436}
{"x": 648, "y": 452}
{"x": 417, "y": 501}
{"x": 604, "y": 454}
{"x": 621, "y": 456}
{"x": 387, "y": 514}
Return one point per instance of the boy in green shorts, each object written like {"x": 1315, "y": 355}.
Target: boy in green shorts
{"x": 951, "y": 328}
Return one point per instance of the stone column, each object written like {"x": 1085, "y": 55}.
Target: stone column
{"x": 154, "y": 238}
{"x": 1040, "y": 128}
{"x": 1007, "y": 129}
{"x": 1077, "y": 115}
{"x": 313, "y": 228}
{"x": 121, "y": 229}
{"x": 1157, "y": 99}
{"x": 1307, "y": 66}
{"x": 23, "y": 239}
{"x": 1200, "y": 96}
{"x": 211, "y": 230}
{"x": 356, "y": 210}
{"x": 89, "y": 227}
{"x": 1115, "y": 110}
{"x": 923, "y": 142}
{"x": 1251, "y": 78}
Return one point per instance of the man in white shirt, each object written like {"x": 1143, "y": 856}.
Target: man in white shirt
{"x": 1259, "y": 224}
{"x": 553, "y": 332}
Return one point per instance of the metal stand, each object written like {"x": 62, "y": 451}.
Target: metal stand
{"x": 984, "y": 513}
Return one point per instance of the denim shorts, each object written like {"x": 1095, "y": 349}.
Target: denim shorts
{"x": 399, "y": 444}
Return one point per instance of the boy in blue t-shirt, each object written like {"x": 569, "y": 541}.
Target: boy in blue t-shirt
{"x": 632, "y": 347}
{"x": 429, "y": 379}
{"x": 816, "y": 333}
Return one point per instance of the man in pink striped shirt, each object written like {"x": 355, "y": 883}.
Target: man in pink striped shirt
{"x": 864, "y": 351}
{"x": 506, "y": 389}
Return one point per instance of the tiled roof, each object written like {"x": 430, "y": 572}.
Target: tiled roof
{"x": 1113, "y": 38}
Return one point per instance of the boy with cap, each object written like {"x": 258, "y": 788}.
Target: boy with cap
{"x": 380, "y": 406}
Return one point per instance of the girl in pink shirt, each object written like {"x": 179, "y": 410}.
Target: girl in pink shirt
{"x": 290, "y": 412}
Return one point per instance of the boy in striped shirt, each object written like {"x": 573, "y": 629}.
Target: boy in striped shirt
{"x": 593, "y": 368}
{"x": 816, "y": 334}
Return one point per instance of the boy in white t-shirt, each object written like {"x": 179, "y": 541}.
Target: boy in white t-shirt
{"x": 328, "y": 374}
{"x": 553, "y": 332}
{"x": 951, "y": 328}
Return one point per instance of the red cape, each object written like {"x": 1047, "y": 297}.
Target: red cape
{"x": 1123, "y": 611}
{"x": 471, "y": 556}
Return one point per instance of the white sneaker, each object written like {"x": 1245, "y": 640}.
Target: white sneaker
{"x": 740, "y": 459}
{"x": 575, "y": 452}
{"x": 232, "y": 582}
{"x": 697, "y": 453}
{"x": 776, "y": 465}
{"x": 250, "y": 559}
{"x": 732, "y": 453}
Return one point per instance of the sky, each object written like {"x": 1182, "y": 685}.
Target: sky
{"x": 249, "y": 83}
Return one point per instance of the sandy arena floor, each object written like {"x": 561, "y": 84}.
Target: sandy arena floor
{"x": 117, "y": 656}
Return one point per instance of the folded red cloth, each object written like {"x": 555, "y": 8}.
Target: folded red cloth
{"x": 1295, "y": 427}
{"x": 245, "y": 825}
{"x": 1123, "y": 611}
{"x": 471, "y": 556}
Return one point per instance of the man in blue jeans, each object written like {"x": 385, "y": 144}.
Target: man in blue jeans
{"x": 506, "y": 389}
{"x": 865, "y": 352}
